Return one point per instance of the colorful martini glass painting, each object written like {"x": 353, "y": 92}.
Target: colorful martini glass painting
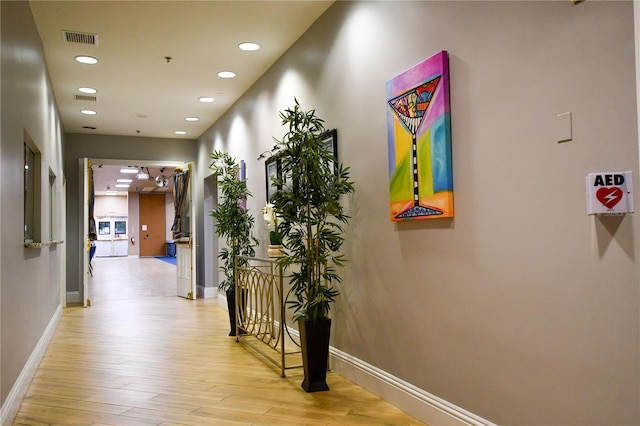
{"x": 421, "y": 181}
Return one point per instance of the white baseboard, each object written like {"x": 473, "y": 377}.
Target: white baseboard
{"x": 207, "y": 292}
{"x": 73, "y": 297}
{"x": 412, "y": 400}
{"x": 11, "y": 405}
{"x": 222, "y": 301}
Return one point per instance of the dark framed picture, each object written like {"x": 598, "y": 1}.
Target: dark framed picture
{"x": 330, "y": 142}
{"x": 272, "y": 170}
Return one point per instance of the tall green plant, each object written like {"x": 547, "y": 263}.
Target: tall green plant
{"x": 312, "y": 217}
{"x": 234, "y": 223}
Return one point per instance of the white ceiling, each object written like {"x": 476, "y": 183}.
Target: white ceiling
{"x": 106, "y": 177}
{"x": 140, "y": 91}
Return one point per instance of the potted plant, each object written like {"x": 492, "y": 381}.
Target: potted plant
{"x": 311, "y": 224}
{"x": 234, "y": 224}
{"x": 275, "y": 237}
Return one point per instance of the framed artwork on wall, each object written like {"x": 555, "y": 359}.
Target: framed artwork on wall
{"x": 272, "y": 170}
{"x": 330, "y": 142}
{"x": 419, "y": 141}
{"x": 242, "y": 175}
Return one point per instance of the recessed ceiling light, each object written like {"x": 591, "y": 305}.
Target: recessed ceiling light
{"x": 180, "y": 132}
{"x": 111, "y": 192}
{"x": 192, "y": 119}
{"x": 226, "y": 74}
{"x": 249, "y": 47}
{"x": 124, "y": 180}
{"x": 142, "y": 176}
{"x": 130, "y": 170}
{"x": 87, "y": 90}
{"x": 206, "y": 99}
{"x": 88, "y": 112}
{"x": 122, "y": 185}
{"x": 89, "y": 60}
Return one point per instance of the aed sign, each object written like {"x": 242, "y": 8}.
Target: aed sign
{"x": 610, "y": 192}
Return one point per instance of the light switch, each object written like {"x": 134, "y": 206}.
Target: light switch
{"x": 144, "y": 227}
{"x": 564, "y": 132}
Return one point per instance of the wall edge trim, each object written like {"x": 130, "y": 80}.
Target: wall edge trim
{"x": 208, "y": 292}
{"x": 73, "y": 297}
{"x": 222, "y": 301}
{"x": 11, "y": 405}
{"x": 405, "y": 396}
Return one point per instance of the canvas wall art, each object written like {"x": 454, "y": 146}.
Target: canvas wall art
{"x": 419, "y": 141}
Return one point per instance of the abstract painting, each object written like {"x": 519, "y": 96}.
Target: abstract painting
{"x": 419, "y": 141}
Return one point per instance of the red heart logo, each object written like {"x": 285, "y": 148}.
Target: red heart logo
{"x": 609, "y": 197}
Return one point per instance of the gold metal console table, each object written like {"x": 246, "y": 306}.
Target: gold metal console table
{"x": 261, "y": 314}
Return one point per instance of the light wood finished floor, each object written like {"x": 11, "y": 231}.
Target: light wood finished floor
{"x": 139, "y": 358}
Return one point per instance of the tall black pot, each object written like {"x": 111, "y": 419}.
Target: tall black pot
{"x": 231, "y": 302}
{"x": 314, "y": 341}
{"x": 231, "y": 305}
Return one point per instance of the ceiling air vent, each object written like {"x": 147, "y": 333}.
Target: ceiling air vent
{"x": 85, "y": 98}
{"x": 82, "y": 38}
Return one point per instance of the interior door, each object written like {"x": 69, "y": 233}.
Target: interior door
{"x": 62, "y": 232}
{"x": 192, "y": 230}
{"x": 152, "y": 225}
{"x": 186, "y": 247}
{"x": 85, "y": 243}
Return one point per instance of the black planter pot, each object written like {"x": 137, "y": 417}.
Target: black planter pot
{"x": 231, "y": 304}
{"x": 231, "y": 301}
{"x": 314, "y": 341}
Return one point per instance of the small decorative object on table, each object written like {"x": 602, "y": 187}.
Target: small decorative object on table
{"x": 275, "y": 237}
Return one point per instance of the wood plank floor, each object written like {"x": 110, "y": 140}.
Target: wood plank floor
{"x": 139, "y": 358}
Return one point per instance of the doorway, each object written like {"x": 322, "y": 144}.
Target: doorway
{"x": 150, "y": 203}
{"x": 211, "y": 270}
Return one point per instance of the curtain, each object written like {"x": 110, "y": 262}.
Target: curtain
{"x": 180, "y": 185}
{"x": 93, "y": 235}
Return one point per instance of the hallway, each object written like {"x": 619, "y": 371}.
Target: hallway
{"x": 117, "y": 278}
{"x": 141, "y": 356}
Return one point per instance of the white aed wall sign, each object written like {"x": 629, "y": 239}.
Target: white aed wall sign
{"x": 610, "y": 193}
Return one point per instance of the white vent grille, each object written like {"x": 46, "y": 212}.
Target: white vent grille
{"x": 89, "y": 98}
{"x": 82, "y": 38}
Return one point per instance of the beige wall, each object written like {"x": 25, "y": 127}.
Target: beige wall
{"x": 110, "y": 205}
{"x": 522, "y": 309}
{"x": 30, "y": 278}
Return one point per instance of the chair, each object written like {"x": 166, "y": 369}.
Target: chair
{"x": 92, "y": 251}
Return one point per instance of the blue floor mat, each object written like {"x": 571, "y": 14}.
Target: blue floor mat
{"x": 171, "y": 260}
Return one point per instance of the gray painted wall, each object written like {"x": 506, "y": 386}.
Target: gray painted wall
{"x": 113, "y": 148}
{"x": 30, "y": 278}
{"x": 522, "y": 309}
